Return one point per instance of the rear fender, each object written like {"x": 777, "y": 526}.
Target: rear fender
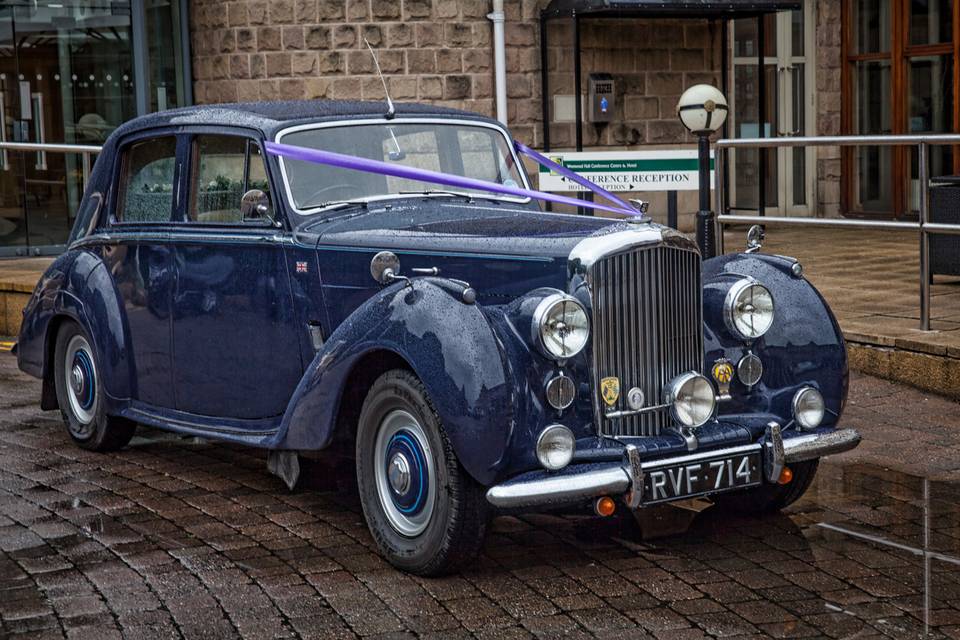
{"x": 451, "y": 346}
{"x": 77, "y": 287}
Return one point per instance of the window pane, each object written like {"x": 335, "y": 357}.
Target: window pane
{"x": 931, "y": 21}
{"x": 871, "y": 26}
{"x": 165, "y": 55}
{"x": 148, "y": 192}
{"x": 930, "y": 79}
{"x": 931, "y": 94}
{"x": 220, "y": 180}
{"x": 872, "y": 116}
{"x": 796, "y": 32}
{"x": 745, "y": 36}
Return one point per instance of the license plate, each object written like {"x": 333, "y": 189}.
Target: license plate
{"x": 697, "y": 477}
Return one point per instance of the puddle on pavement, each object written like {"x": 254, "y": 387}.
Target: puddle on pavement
{"x": 866, "y": 551}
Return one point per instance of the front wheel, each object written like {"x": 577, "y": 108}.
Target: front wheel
{"x": 80, "y": 396}
{"x": 773, "y": 497}
{"x": 427, "y": 515}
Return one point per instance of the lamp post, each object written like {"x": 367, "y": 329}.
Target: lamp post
{"x": 702, "y": 110}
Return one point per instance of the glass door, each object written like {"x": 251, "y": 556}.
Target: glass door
{"x": 786, "y": 108}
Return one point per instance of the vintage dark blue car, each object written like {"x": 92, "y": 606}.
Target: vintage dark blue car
{"x": 474, "y": 354}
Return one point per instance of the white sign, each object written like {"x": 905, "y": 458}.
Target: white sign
{"x": 663, "y": 170}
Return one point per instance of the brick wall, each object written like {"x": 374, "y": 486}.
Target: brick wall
{"x": 828, "y": 61}
{"x": 440, "y": 51}
{"x": 652, "y": 62}
{"x": 437, "y": 51}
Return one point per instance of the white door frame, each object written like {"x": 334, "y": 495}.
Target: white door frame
{"x": 786, "y": 105}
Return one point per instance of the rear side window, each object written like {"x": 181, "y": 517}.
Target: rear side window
{"x": 147, "y": 185}
{"x": 225, "y": 168}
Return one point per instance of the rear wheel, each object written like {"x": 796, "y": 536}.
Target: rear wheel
{"x": 80, "y": 396}
{"x": 773, "y": 497}
{"x": 427, "y": 515}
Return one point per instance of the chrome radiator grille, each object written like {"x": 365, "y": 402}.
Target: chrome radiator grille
{"x": 647, "y": 328}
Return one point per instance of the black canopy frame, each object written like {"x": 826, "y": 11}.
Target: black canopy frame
{"x": 712, "y": 10}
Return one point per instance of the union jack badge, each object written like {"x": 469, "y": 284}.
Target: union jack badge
{"x": 301, "y": 267}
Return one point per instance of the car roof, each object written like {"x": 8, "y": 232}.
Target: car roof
{"x": 269, "y": 117}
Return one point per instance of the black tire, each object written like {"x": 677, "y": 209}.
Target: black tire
{"x": 770, "y": 498}
{"x": 454, "y": 528}
{"x": 82, "y": 406}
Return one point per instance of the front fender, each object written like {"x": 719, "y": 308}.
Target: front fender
{"x": 451, "y": 346}
{"x": 804, "y": 346}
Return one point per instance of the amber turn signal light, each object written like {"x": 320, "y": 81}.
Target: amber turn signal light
{"x": 605, "y": 506}
{"x": 786, "y": 476}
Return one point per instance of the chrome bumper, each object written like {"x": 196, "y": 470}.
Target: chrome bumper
{"x": 627, "y": 480}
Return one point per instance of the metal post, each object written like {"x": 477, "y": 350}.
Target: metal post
{"x": 577, "y": 88}
{"x": 186, "y": 70}
{"x": 141, "y": 65}
{"x": 761, "y": 117}
{"x": 86, "y": 169}
{"x": 545, "y": 89}
{"x": 924, "y": 238}
{"x": 672, "y": 209}
{"x": 719, "y": 190}
{"x": 705, "y": 232}
{"x": 544, "y": 83}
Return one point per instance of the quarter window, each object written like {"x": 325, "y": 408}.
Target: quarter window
{"x": 147, "y": 188}
{"x": 225, "y": 168}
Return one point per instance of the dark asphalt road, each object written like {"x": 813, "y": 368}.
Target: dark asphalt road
{"x": 174, "y": 537}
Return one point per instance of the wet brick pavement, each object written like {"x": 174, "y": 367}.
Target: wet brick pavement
{"x": 175, "y": 537}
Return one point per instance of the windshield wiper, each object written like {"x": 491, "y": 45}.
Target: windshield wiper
{"x": 437, "y": 192}
{"x": 333, "y": 204}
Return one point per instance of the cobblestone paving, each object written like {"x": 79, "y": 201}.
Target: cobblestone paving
{"x": 174, "y": 537}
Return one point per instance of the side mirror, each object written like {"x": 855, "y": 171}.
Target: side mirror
{"x": 755, "y": 237}
{"x": 385, "y": 267}
{"x": 255, "y": 206}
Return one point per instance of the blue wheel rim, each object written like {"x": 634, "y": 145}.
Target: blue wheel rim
{"x": 406, "y": 480}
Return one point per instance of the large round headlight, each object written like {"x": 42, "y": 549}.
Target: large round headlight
{"x": 748, "y": 309}
{"x": 560, "y": 326}
{"x": 692, "y": 399}
{"x": 808, "y": 408}
{"x": 555, "y": 447}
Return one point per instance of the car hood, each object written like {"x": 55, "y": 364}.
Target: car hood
{"x": 480, "y": 227}
{"x": 502, "y": 249}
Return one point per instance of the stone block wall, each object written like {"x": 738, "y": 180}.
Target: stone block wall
{"x": 652, "y": 62}
{"x": 829, "y": 58}
{"x": 440, "y": 51}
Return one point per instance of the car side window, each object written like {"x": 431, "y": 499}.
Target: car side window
{"x": 148, "y": 177}
{"x": 224, "y": 169}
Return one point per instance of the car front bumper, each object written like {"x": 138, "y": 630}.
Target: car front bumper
{"x": 579, "y": 483}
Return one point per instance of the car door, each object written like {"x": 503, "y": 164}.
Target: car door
{"x": 236, "y": 351}
{"x": 140, "y": 260}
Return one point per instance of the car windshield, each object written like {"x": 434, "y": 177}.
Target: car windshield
{"x": 472, "y": 151}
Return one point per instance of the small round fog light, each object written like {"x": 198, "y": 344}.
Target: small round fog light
{"x": 750, "y": 369}
{"x": 560, "y": 392}
{"x": 555, "y": 447}
{"x": 808, "y": 408}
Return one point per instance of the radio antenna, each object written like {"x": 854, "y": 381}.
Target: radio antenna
{"x": 376, "y": 64}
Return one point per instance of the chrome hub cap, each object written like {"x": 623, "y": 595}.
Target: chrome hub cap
{"x": 404, "y": 473}
{"x": 399, "y": 474}
{"x": 81, "y": 383}
{"x": 76, "y": 379}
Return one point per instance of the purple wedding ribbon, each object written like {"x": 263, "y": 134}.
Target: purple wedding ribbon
{"x": 356, "y": 163}
{"x": 570, "y": 175}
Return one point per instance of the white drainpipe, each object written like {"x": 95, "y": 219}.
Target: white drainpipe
{"x": 499, "y": 59}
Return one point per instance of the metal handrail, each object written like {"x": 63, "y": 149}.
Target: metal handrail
{"x": 85, "y": 151}
{"x": 923, "y": 226}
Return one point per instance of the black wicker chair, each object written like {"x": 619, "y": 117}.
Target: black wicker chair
{"x": 945, "y": 208}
